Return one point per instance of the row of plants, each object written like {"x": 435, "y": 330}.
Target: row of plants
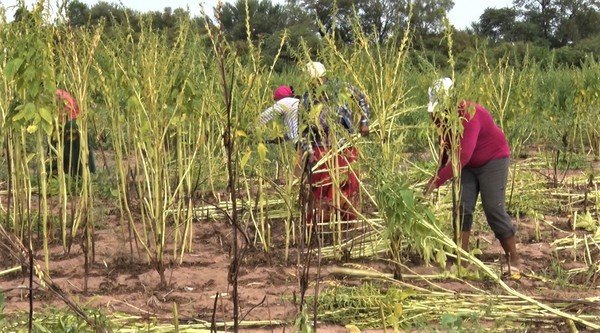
{"x": 171, "y": 115}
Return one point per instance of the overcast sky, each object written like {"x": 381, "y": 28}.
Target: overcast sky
{"x": 461, "y": 16}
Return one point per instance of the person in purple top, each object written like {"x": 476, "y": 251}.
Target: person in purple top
{"x": 484, "y": 160}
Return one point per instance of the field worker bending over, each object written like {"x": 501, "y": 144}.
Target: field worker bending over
{"x": 484, "y": 161}
{"x": 286, "y": 106}
{"x": 335, "y": 184}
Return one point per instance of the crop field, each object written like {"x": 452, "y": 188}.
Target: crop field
{"x": 193, "y": 219}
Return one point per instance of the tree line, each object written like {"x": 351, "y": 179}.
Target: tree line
{"x": 559, "y": 31}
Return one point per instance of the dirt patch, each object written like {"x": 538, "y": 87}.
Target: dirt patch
{"x": 120, "y": 284}
{"x": 268, "y": 286}
{"x": 121, "y": 279}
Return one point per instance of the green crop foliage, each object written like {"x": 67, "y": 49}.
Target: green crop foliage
{"x": 157, "y": 102}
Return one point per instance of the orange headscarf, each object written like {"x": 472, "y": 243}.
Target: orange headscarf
{"x": 68, "y": 103}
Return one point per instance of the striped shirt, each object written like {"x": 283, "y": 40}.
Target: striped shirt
{"x": 286, "y": 107}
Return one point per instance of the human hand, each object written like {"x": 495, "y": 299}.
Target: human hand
{"x": 429, "y": 187}
{"x": 305, "y": 163}
{"x": 312, "y": 160}
{"x": 364, "y": 129}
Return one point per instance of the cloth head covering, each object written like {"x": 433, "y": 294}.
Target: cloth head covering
{"x": 438, "y": 91}
{"x": 315, "y": 69}
{"x": 68, "y": 103}
{"x": 282, "y": 92}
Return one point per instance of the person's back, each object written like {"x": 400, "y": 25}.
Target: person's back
{"x": 484, "y": 163}
{"x": 335, "y": 102}
{"x": 490, "y": 142}
{"x": 327, "y": 125}
{"x": 286, "y": 105}
{"x": 68, "y": 112}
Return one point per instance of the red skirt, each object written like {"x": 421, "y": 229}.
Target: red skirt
{"x": 334, "y": 186}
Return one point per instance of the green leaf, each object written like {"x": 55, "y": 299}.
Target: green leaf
{"x": 132, "y": 104}
{"x": 30, "y": 157}
{"x": 26, "y": 112}
{"x": 586, "y": 221}
{"x": 406, "y": 293}
{"x": 12, "y": 68}
{"x": 262, "y": 151}
{"x": 407, "y": 198}
{"x": 450, "y": 321}
{"x": 46, "y": 115}
{"x": 20, "y": 115}
{"x": 47, "y": 128}
{"x": 398, "y": 310}
{"x": 315, "y": 112}
{"x": 29, "y": 111}
{"x": 441, "y": 257}
{"x": 246, "y": 158}
{"x": 40, "y": 328}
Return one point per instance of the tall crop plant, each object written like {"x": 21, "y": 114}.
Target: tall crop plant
{"x": 156, "y": 136}
{"x": 29, "y": 72}
{"x": 236, "y": 84}
{"x": 5, "y": 105}
{"x": 585, "y": 134}
{"x": 76, "y": 54}
{"x": 518, "y": 118}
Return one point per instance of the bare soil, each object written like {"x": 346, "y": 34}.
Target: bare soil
{"x": 123, "y": 281}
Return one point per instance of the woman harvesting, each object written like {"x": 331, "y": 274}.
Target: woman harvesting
{"x": 484, "y": 160}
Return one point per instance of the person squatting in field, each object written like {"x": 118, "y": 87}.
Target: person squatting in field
{"x": 68, "y": 111}
{"x": 286, "y": 106}
{"x": 329, "y": 105}
{"x": 484, "y": 161}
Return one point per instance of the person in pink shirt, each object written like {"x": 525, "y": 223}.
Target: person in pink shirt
{"x": 484, "y": 161}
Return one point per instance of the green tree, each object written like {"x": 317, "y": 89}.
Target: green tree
{"x": 578, "y": 19}
{"x": 428, "y": 15}
{"x": 558, "y": 22}
{"x": 22, "y": 13}
{"x": 377, "y": 18}
{"x": 334, "y": 16}
{"x": 383, "y": 18}
{"x": 497, "y": 24}
{"x": 542, "y": 13}
{"x": 106, "y": 11}
{"x": 380, "y": 17}
{"x": 528, "y": 32}
{"x": 78, "y": 13}
{"x": 264, "y": 17}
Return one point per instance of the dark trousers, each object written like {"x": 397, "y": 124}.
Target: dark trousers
{"x": 71, "y": 140}
{"x": 489, "y": 181}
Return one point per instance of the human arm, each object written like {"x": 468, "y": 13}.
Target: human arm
{"x": 431, "y": 184}
{"x": 365, "y": 109}
{"x": 466, "y": 146}
{"x": 268, "y": 114}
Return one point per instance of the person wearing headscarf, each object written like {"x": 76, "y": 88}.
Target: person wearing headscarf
{"x": 331, "y": 108}
{"x": 285, "y": 106}
{"x": 484, "y": 160}
{"x": 68, "y": 111}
